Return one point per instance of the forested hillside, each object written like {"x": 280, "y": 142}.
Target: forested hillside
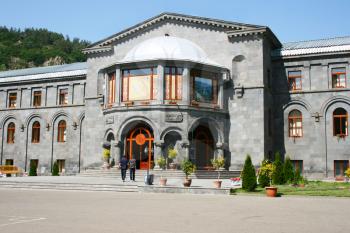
{"x": 37, "y": 47}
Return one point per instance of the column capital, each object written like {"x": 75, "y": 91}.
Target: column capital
{"x": 159, "y": 143}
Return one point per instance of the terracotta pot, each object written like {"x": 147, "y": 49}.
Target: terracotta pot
{"x": 302, "y": 185}
{"x": 271, "y": 191}
{"x": 172, "y": 166}
{"x": 187, "y": 182}
{"x": 217, "y": 183}
{"x": 162, "y": 181}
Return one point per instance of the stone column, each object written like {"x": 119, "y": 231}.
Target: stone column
{"x": 186, "y": 146}
{"x": 160, "y": 84}
{"x": 158, "y": 146}
{"x": 221, "y": 92}
{"x": 116, "y": 148}
{"x": 186, "y": 89}
{"x": 118, "y": 88}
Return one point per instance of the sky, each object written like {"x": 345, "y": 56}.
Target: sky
{"x": 93, "y": 20}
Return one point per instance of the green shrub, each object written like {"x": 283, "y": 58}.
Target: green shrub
{"x": 172, "y": 153}
{"x": 248, "y": 175}
{"x": 277, "y": 176}
{"x": 297, "y": 177}
{"x": 161, "y": 162}
{"x": 218, "y": 163}
{"x": 288, "y": 171}
{"x": 55, "y": 171}
{"x": 264, "y": 179}
{"x": 188, "y": 167}
{"x": 32, "y": 169}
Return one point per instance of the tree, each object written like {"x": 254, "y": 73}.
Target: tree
{"x": 32, "y": 169}
{"x": 264, "y": 179}
{"x": 288, "y": 171}
{"x": 55, "y": 170}
{"x": 248, "y": 175}
{"x": 277, "y": 176}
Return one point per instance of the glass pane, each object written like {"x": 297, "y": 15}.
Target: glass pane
{"x": 338, "y": 70}
{"x": 203, "y": 89}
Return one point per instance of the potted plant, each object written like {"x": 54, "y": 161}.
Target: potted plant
{"x": 267, "y": 169}
{"x": 172, "y": 153}
{"x": 188, "y": 168}
{"x": 161, "y": 163}
{"x": 347, "y": 175}
{"x": 219, "y": 164}
{"x": 106, "y": 157}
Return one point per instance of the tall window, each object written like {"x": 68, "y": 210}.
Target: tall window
{"x": 340, "y": 167}
{"x": 11, "y": 133}
{"x": 63, "y": 96}
{"x": 204, "y": 86}
{"x": 36, "y": 132}
{"x": 338, "y": 77}
{"x": 173, "y": 83}
{"x": 111, "y": 88}
{"x": 294, "y": 80}
{"x": 12, "y": 100}
{"x": 139, "y": 84}
{"x": 340, "y": 122}
{"x": 37, "y": 99}
{"x": 295, "y": 122}
{"x": 62, "y": 131}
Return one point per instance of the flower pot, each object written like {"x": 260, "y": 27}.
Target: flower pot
{"x": 162, "y": 181}
{"x": 271, "y": 191}
{"x": 172, "y": 166}
{"x": 217, "y": 183}
{"x": 302, "y": 185}
{"x": 187, "y": 182}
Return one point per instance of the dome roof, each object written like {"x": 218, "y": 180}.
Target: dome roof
{"x": 167, "y": 48}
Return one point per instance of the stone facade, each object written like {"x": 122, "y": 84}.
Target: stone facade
{"x": 250, "y": 115}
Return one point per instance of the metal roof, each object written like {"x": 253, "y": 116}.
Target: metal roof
{"x": 337, "y": 41}
{"x": 44, "y": 70}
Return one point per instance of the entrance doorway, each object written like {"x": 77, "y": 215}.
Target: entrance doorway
{"x": 139, "y": 145}
{"x": 203, "y": 147}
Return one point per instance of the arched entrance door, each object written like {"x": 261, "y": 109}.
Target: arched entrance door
{"x": 139, "y": 145}
{"x": 204, "y": 147}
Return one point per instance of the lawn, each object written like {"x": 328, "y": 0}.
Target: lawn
{"x": 313, "y": 188}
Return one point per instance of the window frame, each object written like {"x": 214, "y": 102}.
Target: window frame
{"x": 111, "y": 82}
{"x": 337, "y": 76}
{"x": 205, "y": 75}
{"x": 292, "y": 120}
{"x": 11, "y": 130}
{"x": 37, "y": 98}
{"x": 11, "y": 96}
{"x": 36, "y": 132}
{"x": 63, "y": 97}
{"x": 178, "y": 76}
{"x": 341, "y": 166}
{"x": 62, "y": 131}
{"x": 292, "y": 80}
{"x": 341, "y": 134}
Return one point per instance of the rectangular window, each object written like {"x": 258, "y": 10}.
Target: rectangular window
{"x": 63, "y": 96}
{"x": 139, "y": 84}
{"x": 338, "y": 78}
{"x": 61, "y": 165}
{"x": 173, "y": 83}
{"x": 12, "y": 100}
{"x": 298, "y": 164}
{"x": 37, "y": 99}
{"x": 9, "y": 162}
{"x": 111, "y": 88}
{"x": 340, "y": 167}
{"x": 205, "y": 86}
{"x": 294, "y": 80}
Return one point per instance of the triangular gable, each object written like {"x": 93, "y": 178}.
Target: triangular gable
{"x": 227, "y": 25}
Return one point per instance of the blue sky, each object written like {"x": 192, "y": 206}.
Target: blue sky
{"x": 93, "y": 20}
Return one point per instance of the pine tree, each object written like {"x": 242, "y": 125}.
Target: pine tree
{"x": 248, "y": 175}
{"x": 32, "y": 169}
{"x": 55, "y": 171}
{"x": 288, "y": 171}
{"x": 277, "y": 176}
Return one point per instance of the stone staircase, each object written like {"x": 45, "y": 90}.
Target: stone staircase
{"x": 174, "y": 174}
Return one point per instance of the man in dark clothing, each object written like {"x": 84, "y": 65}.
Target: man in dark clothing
{"x": 123, "y": 164}
{"x": 132, "y": 167}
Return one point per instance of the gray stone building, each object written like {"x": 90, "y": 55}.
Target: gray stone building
{"x": 204, "y": 87}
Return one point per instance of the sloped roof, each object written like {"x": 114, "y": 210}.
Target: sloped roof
{"x": 328, "y": 45}
{"x": 174, "y": 16}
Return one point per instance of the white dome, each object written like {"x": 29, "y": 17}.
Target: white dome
{"x": 167, "y": 48}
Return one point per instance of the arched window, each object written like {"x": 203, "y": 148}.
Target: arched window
{"x": 36, "y": 132}
{"x": 11, "y": 133}
{"x": 340, "y": 122}
{"x": 62, "y": 131}
{"x": 295, "y": 122}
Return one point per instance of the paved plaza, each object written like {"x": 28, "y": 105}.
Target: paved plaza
{"x": 51, "y": 211}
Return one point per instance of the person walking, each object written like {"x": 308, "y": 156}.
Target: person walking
{"x": 132, "y": 167}
{"x": 123, "y": 164}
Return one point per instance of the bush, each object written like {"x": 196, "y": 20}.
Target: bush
{"x": 248, "y": 175}
{"x": 264, "y": 179}
{"x": 55, "y": 171}
{"x": 32, "y": 169}
{"x": 188, "y": 167}
{"x": 277, "y": 176}
{"x": 161, "y": 162}
{"x": 297, "y": 177}
{"x": 288, "y": 171}
{"x": 218, "y": 164}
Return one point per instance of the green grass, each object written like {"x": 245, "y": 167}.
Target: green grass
{"x": 313, "y": 188}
